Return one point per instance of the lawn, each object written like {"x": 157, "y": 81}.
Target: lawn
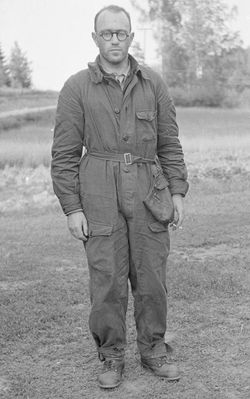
{"x": 46, "y": 349}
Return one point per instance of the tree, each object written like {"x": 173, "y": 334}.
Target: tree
{"x": 137, "y": 52}
{"x": 4, "y": 73}
{"x": 19, "y": 66}
{"x": 194, "y": 38}
{"x": 167, "y": 18}
{"x": 206, "y": 33}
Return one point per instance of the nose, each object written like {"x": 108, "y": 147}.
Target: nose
{"x": 114, "y": 39}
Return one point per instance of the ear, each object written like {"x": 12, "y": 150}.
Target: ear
{"x": 95, "y": 38}
{"x": 132, "y": 35}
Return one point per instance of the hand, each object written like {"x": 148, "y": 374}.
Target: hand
{"x": 78, "y": 226}
{"x": 178, "y": 211}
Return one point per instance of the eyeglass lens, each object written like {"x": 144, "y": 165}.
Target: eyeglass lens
{"x": 107, "y": 35}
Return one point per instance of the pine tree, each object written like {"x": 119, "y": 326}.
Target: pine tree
{"x": 4, "y": 72}
{"x": 20, "y": 71}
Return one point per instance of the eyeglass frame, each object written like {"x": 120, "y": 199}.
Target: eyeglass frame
{"x": 114, "y": 32}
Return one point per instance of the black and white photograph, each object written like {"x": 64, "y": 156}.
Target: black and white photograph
{"x": 125, "y": 199}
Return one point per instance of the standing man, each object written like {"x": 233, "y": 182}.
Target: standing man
{"x": 115, "y": 195}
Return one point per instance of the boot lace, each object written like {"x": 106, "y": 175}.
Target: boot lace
{"x": 160, "y": 361}
{"x": 111, "y": 364}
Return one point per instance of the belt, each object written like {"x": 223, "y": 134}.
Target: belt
{"x": 127, "y": 158}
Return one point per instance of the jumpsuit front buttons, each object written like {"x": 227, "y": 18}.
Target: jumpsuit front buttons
{"x": 125, "y": 138}
{"x": 117, "y": 111}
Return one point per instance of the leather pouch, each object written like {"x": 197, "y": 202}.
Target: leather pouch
{"x": 159, "y": 200}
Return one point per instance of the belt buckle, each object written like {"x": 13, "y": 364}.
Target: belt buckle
{"x": 127, "y": 158}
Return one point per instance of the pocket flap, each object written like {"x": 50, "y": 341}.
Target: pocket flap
{"x": 97, "y": 229}
{"x": 158, "y": 227}
{"x": 147, "y": 115}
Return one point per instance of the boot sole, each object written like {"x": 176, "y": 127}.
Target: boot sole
{"x": 109, "y": 386}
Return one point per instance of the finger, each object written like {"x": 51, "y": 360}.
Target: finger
{"x": 176, "y": 216}
{"x": 78, "y": 234}
{"x": 180, "y": 220}
{"x": 85, "y": 228}
{"x": 82, "y": 238}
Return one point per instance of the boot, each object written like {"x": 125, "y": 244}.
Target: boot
{"x": 111, "y": 375}
{"x": 161, "y": 367}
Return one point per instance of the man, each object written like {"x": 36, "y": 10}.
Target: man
{"x": 122, "y": 114}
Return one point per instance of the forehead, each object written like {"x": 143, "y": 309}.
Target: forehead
{"x": 113, "y": 21}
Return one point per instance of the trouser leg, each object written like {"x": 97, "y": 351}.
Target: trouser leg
{"x": 149, "y": 247}
{"x": 108, "y": 269}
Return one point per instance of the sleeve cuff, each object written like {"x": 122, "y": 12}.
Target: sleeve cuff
{"x": 70, "y": 203}
{"x": 76, "y": 210}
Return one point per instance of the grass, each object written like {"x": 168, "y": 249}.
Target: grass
{"x": 11, "y": 123}
{"x": 12, "y": 99}
{"x": 211, "y": 138}
{"x": 46, "y": 348}
{"x": 29, "y": 146}
{"x": 213, "y": 122}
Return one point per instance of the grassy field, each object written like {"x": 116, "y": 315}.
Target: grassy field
{"x": 15, "y": 99}
{"x": 206, "y": 134}
{"x": 46, "y": 349}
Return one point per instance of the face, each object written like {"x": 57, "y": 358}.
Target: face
{"x": 114, "y": 52}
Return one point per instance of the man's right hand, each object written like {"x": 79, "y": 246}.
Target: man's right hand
{"x": 78, "y": 226}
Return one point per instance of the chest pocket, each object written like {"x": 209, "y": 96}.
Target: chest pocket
{"x": 146, "y": 125}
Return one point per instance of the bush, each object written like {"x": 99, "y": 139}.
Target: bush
{"x": 198, "y": 95}
{"x": 244, "y": 98}
{"x": 231, "y": 98}
{"x": 210, "y": 96}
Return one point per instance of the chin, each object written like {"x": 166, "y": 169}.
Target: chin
{"x": 116, "y": 58}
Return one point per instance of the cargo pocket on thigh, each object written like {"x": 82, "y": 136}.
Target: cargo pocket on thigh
{"x": 97, "y": 246}
{"x": 100, "y": 268}
{"x": 98, "y": 229}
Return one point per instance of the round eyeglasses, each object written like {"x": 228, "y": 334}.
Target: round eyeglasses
{"x": 107, "y": 35}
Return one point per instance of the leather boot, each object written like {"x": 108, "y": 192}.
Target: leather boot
{"x": 161, "y": 367}
{"x": 111, "y": 375}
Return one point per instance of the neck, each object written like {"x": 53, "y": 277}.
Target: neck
{"x": 114, "y": 68}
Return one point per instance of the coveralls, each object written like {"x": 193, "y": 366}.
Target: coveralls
{"x": 125, "y": 241}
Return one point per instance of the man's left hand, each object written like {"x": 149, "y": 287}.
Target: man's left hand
{"x": 179, "y": 214}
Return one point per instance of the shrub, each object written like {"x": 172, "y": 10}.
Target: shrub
{"x": 198, "y": 95}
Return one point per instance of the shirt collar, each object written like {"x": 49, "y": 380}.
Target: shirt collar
{"x": 123, "y": 74}
{"x": 97, "y": 74}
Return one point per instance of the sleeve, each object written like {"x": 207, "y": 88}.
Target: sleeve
{"x": 67, "y": 147}
{"x": 169, "y": 149}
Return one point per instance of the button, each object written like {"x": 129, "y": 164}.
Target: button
{"x": 125, "y": 138}
{"x": 117, "y": 111}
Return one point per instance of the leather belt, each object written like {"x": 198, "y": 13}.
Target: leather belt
{"x": 127, "y": 157}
